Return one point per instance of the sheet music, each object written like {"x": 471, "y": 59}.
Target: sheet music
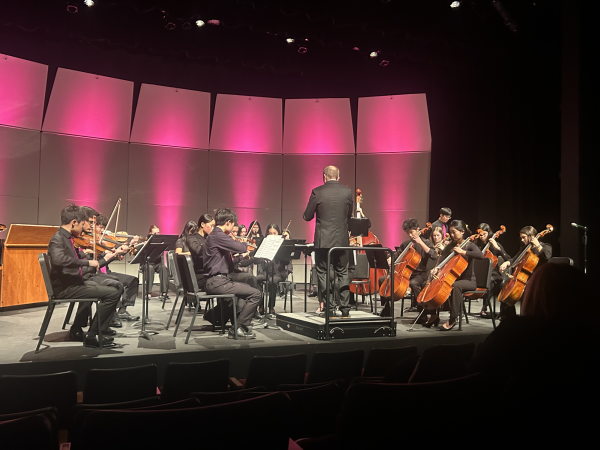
{"x": 269, "y": 247}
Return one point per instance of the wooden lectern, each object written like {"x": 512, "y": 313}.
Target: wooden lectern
{"x": 21, "y": 277}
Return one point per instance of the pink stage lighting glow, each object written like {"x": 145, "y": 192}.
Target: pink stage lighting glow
{"x": 318, "y": 126}
{"x": 84, "y": 104}
{"x": 171, "y": 117}
{"x": 393, "y": 124}
{"x": 169, "y": 176}
{"x": 22, "y": 90}
{"x": 247, "y": 124}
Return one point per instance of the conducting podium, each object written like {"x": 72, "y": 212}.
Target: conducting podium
{"x": 21, "y": 279}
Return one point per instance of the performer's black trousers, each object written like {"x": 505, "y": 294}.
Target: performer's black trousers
{"x": 339, "y": 261}
{"x": 248, "y": 297}
{"x": 109, "y": 296}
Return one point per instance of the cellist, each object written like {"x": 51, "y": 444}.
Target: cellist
{"x": 466, "y": 281}
{"x": 419, "y": 276}
{"x": 542, "y": 250}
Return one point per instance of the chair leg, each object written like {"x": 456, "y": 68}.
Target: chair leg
{"x": 460, "y": 314}
{"x": 285, "y": 302}
{"x": 45, "y": 324}
{"x": 291, "y": 292}
{"x": 492, "y": 308}
{"x": 172, "y": 310}
{"x": 184, "y": 301}
{"x": 234, "y": 319}
{"x": 44, "y": 320}
{"x": 465, "y": 312}
{"x": 68, "y": 316}
{"x": 187, "y": 339}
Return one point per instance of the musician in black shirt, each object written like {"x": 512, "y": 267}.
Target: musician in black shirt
{"x": 67, "y": 280}
{"x": 181, "y": 247}
{"x": 195, "y": 242}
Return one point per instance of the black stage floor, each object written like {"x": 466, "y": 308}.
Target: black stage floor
{"x": 19, "y": 328}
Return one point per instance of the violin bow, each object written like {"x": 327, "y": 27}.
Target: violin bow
{"x": 94, "y": 235}
{"x": 117, "y": 206}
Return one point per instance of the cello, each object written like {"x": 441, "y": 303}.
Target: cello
{"x": 486, "y": 250}
{"x": 437, "y": 291}
{"x": 404, "y": 267}
{"x": 523, "y": 267}
{"x": 364, "y": 241}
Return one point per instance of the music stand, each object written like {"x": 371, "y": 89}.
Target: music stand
{"x": 378, "y": 260}
{"x": 149, "y": 254}
{"x": 359, "y": 227}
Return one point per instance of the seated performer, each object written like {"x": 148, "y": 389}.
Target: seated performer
{"x": 242, "y": 230}
{"x": 275, "y": 272}
{"x": 196, "y": 241}
{"x": 160, "y": 268}
{"x": 466, "y": 282}
{"x": 540, "y": 249}
{"x": 499, "y": 252}
{"x": 105, "y": 277}
{"x": 67, "y": 280}
{"x": 218, "y": 268}
{"x": 181, "y": 247}
{"x": 419, "y": 276}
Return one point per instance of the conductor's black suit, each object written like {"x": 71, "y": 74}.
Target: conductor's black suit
{"x": 332, "y": 205}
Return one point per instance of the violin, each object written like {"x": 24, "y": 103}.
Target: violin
{"x": 287, "y": 230}
{"x": 404, "y": 266}
{"x": 486, "y": 250}
{"x": 251, "y": 243}
{"x": 2, "y": 227}
{"x": 438, "y": 289}
{"x": 522, "y": 269}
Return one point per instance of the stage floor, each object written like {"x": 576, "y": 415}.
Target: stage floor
{"x": 19, "y": 328}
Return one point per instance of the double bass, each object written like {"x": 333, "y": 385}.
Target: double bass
{"x": 486, "y": 250}
{"x": 437, "y": 291}
{"x": 522, "y": 269}
{"x": 364, "y": 241}
{"x": 404, "y": 267}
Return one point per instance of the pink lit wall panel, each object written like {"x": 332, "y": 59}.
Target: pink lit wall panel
{"x": 244, "y": 180}
{"x": 299, "y": 229}
{"x": 18, "y": 210}
{"x": 393, "y": 124}
{"x": 22, "y": 90}
{"x": 247, "y": 124}
{"x": 50, "y": 207}
{"x": 318, "y": 126}
{"x": 19, "y": 162}
{"x": 248, "y": 215}
{"x": 82, "y": 169}
{"x": 85, "y": 104}
{"x": 302, "y": 173}
{"x": 172, "y": 117}
{"x": 169, "y": 218}
{"x": 167, "y": 176}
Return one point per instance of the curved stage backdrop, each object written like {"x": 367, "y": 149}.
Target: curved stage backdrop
{"x": 170, "y": 158}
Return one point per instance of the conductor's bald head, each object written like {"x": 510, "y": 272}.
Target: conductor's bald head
{"x": 331, "y": 173}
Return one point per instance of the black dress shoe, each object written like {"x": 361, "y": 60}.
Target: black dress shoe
{"x": 313, "y": 294}
{"x": 116, "y": 323}
{"x": 128, "y": 317}
{"x": 93, "y": 342}
{"x": 109, "y": 332}
{"x": 76, "y": 335}
{"x": 443, "y": 328}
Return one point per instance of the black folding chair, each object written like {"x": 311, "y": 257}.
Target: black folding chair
{"x": 483, "y": 278}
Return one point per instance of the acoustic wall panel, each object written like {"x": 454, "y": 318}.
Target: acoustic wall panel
{"x": 82, "y": 169}
{"x": 395, "y": 187}
{"x": 170, "y": 219}
{"x": 19, "y": 162}
{"x": 318, "y": 126}
{"x": 244, "y": 180}
{"x": 22, "y": 91}
{"x": 247, "y": 124}
{"x": 172, "y": 117}
{"x": 393, "y": 124}
{"x": 50, "y": 208}
{"x": 18, "y": 210}
{"x": 167, "y": 176}
{"x": 89, "y": 105}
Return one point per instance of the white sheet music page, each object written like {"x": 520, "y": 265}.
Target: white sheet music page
{"x": 269, "y": 247}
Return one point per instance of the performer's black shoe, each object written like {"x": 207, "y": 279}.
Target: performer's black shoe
{"x": 128, "y": 317}
{"x": 109, "y": 332}
{"x": 242, "y": 333}
{"x": 313, "y": 294}
{"x": 93, "y": 342}
{"x": 76, "y": 335}
{"x": 116, "y": 322}
{"x": 443, "y": 328}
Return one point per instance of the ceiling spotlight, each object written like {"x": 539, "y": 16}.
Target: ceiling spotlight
{"x": 356, "y": 49}
{"x": 374, "y": 54}
{"x": 290, "y": 40}
{"x": 454, "y": 4}
{"x": 72, "y": 9}
{"x": 89, "y": 3}
{"x": 302, "y": 50}
{"x": 384, "y": 63}
{"x": 186, "y": 26}
{"x": 200, "y": 23}
{"x": 170, "y": 26}
{"x": 214, "y": 22}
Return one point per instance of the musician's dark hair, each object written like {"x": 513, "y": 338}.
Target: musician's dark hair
{"x": 528, "y": 231}
{"x": 89, "y": 211}
{"x": 445, "y": 211}
{"x": 410, "y": 224}
{"x": 70, "y": 213}
{"x": 152, "y": 227}
{"x": 274, "y": 226}
{"x": 101, "y": 220}
{"x": 205, "y": 218}
{"x": 240, "y": 226}
{"x": 224, "y": 215}
{"x": 190, "y": 228}
{"x": 259, "y": 228}
{"x": 460, "y": 225}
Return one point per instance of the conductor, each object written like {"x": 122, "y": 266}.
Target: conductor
{"x": 332, "y": 204}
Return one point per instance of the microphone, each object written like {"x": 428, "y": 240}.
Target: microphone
{"x": 574, "y": 225}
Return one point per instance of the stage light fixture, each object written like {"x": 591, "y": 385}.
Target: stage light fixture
{"x": 214, "y": 22}
{"x": 89, "y": 3}
{"x": 170, "y": 26}
{"x": 374, "y": 54}
{"x": 200, "y": 23}
{"x": 186, "y": 26}
{"x": 290, "y": 40}
{"x": 72, "y": 9}
{"x": 302, "y": 50}
{"x": 356, "y": 49}
{"x": 384, "y": 63}
{"x": 454, "y": 4}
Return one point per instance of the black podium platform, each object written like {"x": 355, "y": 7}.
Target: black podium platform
{"x": 359, "y": 325}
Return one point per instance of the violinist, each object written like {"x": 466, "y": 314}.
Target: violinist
{"x": 196, "y": 241}
{"x": 67, "y": 280}
{"x": 437, "y": 239}
{"x": 281, "y": 269}
{"x": 181, "y": 247}
{"x": 160, "y": 268}
{"x": 242, "y": 230}
{"x": 542, "y": 250}
{"x": 236, "y": 230}
{"x": 466, "y": 281}
{"x": 442, "y": 222}
{"x": 127, "y": 284}
{"x": 420, "y": 275}
{"x": 255, "y": 231}
{"x": 498, "y": 251}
